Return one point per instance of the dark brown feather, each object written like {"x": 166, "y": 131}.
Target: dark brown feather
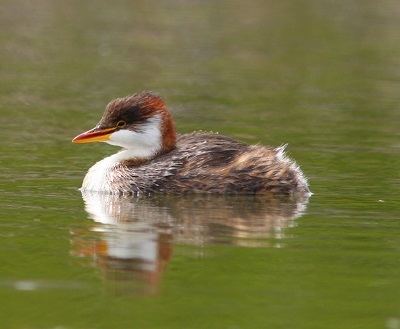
{"x": 211, "y": 163}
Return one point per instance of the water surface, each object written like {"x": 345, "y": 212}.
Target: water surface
{"x": 322, "y": 76}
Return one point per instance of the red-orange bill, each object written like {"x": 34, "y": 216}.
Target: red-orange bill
{"x": 94, "y": 135}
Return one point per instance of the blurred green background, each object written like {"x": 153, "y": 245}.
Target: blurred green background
{"x": 322, "y": 76}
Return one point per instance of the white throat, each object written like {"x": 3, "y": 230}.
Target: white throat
{"x": 137, "y": 144}
{"x": 141, "y": 144}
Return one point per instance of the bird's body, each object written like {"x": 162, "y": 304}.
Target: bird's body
{"x": 160, "y": 161}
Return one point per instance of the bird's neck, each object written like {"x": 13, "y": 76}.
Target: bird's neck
{"x": 168, "y": 133}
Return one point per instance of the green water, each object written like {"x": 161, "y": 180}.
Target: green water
{"x": 322, "y": 76}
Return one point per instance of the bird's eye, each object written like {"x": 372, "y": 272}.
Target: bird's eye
{"x": 121, "y": 124}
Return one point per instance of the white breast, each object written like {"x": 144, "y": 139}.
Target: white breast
{"x": 97, "y": 178}
{"x": 100, "y": 175}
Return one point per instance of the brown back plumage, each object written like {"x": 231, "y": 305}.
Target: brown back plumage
{"x": 211, "y": 163}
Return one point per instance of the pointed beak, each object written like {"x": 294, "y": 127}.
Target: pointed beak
{"x": 94, "y": 135}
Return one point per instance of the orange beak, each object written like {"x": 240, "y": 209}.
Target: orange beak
{"x": 94, "y": 135}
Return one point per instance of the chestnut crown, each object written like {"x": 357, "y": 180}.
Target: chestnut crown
{"x": 132, "y": 110}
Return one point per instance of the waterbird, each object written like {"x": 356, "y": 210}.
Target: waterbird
{"x": 154, "y": 158}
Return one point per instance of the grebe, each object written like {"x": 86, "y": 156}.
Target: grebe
{"x": 155, "y": 159}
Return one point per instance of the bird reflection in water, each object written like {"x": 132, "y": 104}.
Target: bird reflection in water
{"x": 132, "y": 239}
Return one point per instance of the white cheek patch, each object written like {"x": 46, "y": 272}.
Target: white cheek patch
{"x": 143, "y": 143}
{"x": 124, "y": 138}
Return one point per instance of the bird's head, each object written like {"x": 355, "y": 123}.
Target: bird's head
{"x": 140, "y": 123}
